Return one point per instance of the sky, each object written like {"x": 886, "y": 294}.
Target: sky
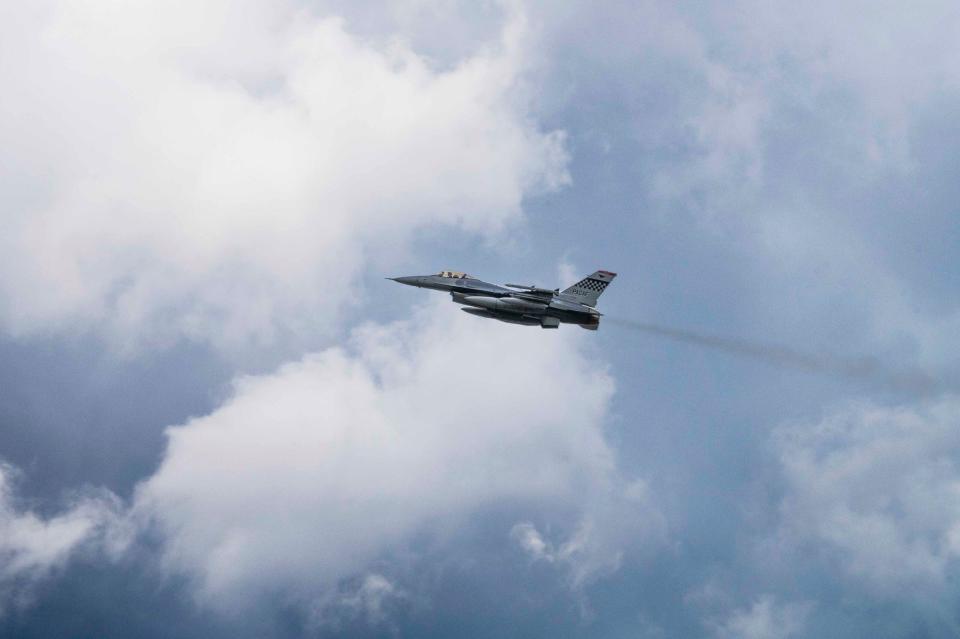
{"x": 218, "y": 419}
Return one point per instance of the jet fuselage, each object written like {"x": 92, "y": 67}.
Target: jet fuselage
{"x": 515, "y": 304}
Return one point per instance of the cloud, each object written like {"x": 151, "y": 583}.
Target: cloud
{"x": 624, "y": 519}
{"x": 307, "y": 476}
{"x": 875, "y": 493}
{"x": 883, "y": 65}
{"x": 761, "y": 73}
{"x": 526, "y": 535}
{"x": 765, "y": 619}
{"x": 33, "y": 547}
{"x": 223, "y": 172}
{"x": 372, "y": 601}
{"x": 808, "y": 138}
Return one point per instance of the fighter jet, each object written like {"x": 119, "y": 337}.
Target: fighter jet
{"x": 519, "y": 303}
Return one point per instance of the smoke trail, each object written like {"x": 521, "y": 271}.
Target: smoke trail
{"x": 863, "y": 368}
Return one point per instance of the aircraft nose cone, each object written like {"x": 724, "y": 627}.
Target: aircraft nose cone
{"x": 409, "y": 281}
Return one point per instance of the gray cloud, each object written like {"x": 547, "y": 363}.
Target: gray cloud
{"x": 33, "y": 547}
{"x": 876, "y": 489}
{"x": 775, "y": 168}
{"x": 765, "y": 619}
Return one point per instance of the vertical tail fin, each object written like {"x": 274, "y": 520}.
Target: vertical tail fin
{"x": 588, "y": 290}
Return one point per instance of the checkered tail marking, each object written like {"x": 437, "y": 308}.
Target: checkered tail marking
{"x": 588, "y": 290}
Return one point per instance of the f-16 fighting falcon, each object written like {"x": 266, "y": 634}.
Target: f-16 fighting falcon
{"x": 518, "y": 303}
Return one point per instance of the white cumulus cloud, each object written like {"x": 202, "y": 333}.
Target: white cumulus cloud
{"x": 223, "y": 171}
{"x": 306, "y": 476}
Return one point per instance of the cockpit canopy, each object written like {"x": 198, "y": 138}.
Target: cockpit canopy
{"x": 455, "y": 275}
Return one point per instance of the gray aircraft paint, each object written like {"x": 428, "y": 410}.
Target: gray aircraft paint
{"x": 518, "y": 303}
